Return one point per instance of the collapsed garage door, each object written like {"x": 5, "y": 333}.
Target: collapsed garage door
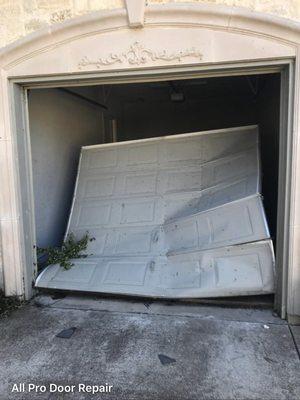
{"x": 178, "y": 216}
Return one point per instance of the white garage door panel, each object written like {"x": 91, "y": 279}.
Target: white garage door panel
{"x": 179, "y": 205}
{"x": 161, "y": 178}
{"x": 227, "y": 271}
{"x": 144, "y": 240}
{"x": 117, "y": 212}
{"x": 169, "y": 151}
{"x": 232, "y": 223}
{"x": 169, "y": 216}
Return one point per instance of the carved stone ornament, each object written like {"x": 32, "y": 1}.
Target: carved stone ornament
{"x": 138, "y": 54}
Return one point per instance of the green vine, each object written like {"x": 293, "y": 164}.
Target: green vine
{"x": 70, "y": 249}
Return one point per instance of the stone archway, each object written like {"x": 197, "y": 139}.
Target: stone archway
{"x": 143, "y": 42}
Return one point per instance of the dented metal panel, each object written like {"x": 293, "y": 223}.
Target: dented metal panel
{"x": 165, "y": 206}
{"x": 227, "y": 271}
{"x": 240, "y": 221}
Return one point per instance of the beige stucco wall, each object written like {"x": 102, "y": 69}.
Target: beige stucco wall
{"x": 20, "y": 17}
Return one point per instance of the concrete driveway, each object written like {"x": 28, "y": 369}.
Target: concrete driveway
{"x": 146, "y": 351}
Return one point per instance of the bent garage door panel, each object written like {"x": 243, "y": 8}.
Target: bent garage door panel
{"x": 170, "y": 216}
{"x": 227, "y": 271}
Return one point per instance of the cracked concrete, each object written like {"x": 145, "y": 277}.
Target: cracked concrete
{"x": 220, "y": 353}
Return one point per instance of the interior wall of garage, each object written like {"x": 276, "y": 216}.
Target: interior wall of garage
{"x": 141, "y": 119}
{"x": 268, "y": 117}
{"x": 213, "y": 104}
{"x": 59, "y": 125}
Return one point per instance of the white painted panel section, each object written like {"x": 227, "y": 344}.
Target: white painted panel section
{"x": 227, "y": 271}
{"x": 240, "y": 221}
{"x": 166, "y": 213}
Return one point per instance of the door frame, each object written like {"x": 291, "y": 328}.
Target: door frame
{"x": 20, "y": 124}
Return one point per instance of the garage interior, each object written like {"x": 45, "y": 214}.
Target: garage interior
{"x": 62, "y": 120}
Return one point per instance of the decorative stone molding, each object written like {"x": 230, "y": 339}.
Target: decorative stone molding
{"x": 135, "y": 11}
{"x": 138, "y": 54}
{"x": 60, "y": 16}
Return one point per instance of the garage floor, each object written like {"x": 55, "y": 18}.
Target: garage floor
{"x": 205, "y": 352}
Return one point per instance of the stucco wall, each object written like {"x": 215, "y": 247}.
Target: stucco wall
{"x": 20, "y": 17}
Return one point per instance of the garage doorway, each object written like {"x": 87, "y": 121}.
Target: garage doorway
{"x": 97, "y": 114}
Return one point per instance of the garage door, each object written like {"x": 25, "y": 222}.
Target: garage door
{"x": 176, "y": 216}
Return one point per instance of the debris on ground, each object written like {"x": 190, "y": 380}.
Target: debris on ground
{"x": 165, "y": 360}
{"x": 66, "y": 333}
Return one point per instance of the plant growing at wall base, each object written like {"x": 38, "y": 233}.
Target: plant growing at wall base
{"x": 9, "y": 304}
{"x": 70, "y": 249}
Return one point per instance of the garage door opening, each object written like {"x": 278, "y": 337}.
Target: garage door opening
{"x": 62, "y": 120}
